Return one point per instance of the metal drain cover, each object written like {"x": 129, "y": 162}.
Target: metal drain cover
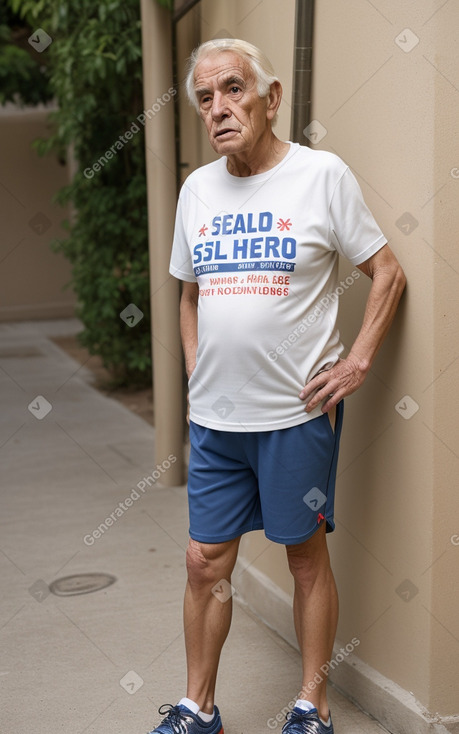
{"x": 82, "y": 583}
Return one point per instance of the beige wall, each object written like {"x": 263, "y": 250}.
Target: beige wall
{"x": 32, "y": 277}
{"x": 392, "y": 115}
{"x": 444, "y": 643}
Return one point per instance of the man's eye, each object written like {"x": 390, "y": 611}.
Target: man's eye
{"x": 235, "y": 89}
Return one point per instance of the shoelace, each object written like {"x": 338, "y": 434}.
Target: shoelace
{"x": 175, "y": 717}
{"x": 296, "y": 722}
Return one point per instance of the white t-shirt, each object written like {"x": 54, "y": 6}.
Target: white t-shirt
{"x": 264, "y": 251}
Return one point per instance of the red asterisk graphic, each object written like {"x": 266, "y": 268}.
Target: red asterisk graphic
{"x": 320, "y": 517}
{"x": 284, "y": 224}
{"x": 203, "y": 230}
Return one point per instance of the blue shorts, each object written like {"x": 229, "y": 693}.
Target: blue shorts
{"x": 281, "y": 481}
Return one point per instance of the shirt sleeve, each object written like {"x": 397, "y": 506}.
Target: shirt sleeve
{"x": 181, "y": 265}
{"x": 353, "y": 231}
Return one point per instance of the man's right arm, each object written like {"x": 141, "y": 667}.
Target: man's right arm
{"x": 189, "y": 324}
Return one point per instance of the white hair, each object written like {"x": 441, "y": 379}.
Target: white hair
{"x": 259, "y": 63}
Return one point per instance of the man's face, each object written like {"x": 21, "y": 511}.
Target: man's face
{"x": 234, "y": 115}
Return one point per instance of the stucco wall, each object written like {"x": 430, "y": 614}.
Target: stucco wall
{"x": 32, "y": 277}
{"x": 388, "y": 98}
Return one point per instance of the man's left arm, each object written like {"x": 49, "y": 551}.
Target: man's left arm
{"x": 388, "y": 283}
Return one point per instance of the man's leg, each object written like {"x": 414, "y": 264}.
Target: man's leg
{"x": 315, "y": 610}
{"x": 207, "y": 618}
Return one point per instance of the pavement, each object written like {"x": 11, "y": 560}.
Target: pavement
{"x": 103, "y": 662}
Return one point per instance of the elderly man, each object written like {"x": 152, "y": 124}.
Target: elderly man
{"x": 257, "y": 239}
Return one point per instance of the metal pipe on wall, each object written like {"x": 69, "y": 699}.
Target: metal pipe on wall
{"x": 302, "y": 70}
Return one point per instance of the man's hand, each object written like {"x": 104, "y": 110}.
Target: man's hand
{"x": 344, "y": 378}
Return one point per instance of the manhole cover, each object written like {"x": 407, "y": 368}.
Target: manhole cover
{"x": 82, "y": 583}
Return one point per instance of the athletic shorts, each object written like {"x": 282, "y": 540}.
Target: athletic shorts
{"x": 281, "y": 481}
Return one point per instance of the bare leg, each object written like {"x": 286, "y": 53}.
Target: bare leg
{"x": 315, "y": 610}
{"x": 207, "y": 617}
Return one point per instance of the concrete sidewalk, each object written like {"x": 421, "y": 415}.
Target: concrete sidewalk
{"x": 103, "y": 662}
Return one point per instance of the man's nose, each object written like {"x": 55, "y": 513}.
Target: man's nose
{"x": 219, "y": 107}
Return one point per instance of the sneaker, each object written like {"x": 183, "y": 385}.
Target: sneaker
{"x": 180, "y": 720}
{"x": 305, "y": 722}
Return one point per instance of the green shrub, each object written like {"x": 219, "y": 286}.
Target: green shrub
{"x": 95, "y": 74}
{"x": 23, "y": 80}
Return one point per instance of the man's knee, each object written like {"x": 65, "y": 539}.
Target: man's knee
{"x": 309, "y": 560}
{"x": 208, "y": 563}
{"x": 197, "y": 563}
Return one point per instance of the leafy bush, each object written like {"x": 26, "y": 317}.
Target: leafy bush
{"x": 95, "y": 74}
{"x": 22, "y": 79}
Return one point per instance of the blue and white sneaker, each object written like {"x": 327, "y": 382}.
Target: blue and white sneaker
{"x": 305, "y": 722}
{"x": 180, "y": 720}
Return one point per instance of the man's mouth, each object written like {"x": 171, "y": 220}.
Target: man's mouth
{"x": 225, "y": 131}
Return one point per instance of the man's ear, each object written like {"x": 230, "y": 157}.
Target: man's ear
{"x": 274, "y": 99}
